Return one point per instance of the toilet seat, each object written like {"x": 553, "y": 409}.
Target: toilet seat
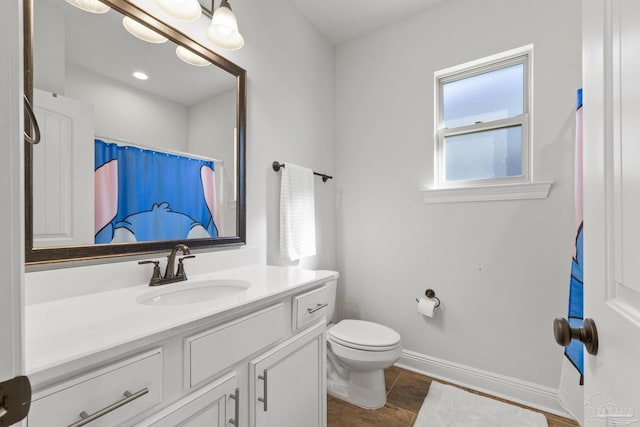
{"x": 364, "y": 335}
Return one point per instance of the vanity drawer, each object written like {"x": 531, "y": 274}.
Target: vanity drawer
{"x": 309, "y": 307}
{"x": 139, "y": 377}
{"x": 211, "y": 351}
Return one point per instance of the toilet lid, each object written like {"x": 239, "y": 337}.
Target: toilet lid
{"x": 364, "y": 335}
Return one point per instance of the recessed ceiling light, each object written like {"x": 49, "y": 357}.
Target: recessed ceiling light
{"x": 140, "y": 75}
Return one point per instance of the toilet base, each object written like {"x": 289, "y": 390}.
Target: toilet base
{"x": 361, "y": 388}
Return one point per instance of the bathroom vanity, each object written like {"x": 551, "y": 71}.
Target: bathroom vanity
{"x": 184, "y": 354}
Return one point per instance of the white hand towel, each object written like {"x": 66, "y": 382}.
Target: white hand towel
{"x": 297, "y": 213}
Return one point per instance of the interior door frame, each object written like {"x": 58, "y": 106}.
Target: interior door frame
{"x": 11, "y": 190}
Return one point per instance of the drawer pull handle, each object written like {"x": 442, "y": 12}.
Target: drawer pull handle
{"x": 317, "y": 307}
{"x": 3, "y": 411}
{"x": 236, "y": 420}
{"x": 128, "y": 397}
{"x": 263, "y": 377}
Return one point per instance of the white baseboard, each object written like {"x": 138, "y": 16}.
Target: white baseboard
{"x": 523, "y": 392}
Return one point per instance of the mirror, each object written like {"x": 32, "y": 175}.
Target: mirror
{"x": 129, "y": 166}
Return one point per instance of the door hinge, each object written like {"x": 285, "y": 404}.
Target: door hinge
{"x": 15, "y": 400}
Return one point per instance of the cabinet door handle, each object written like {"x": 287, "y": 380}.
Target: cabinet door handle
{"x": 128, "y": 397}
{"x": 317, "y": 307}
{"x": 263, "y": 399}
{"x": 236, "y": 419}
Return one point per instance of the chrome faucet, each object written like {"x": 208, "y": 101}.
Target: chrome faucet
{"x": 170, "y": 274}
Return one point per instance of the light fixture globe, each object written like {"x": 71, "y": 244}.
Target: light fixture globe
{"x": 93, "y": 6}
{"x": 185, "y": 10}
{"x": 191, "y": 58}
{"x": 223, "y": 30}
{"x": 142, "y": 32}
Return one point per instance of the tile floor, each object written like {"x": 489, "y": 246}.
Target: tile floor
{"x": 406, "y": 391}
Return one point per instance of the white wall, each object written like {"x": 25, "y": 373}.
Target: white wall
{"x": 128, "y": 114}
{"x": 49, "y": 52}
{"x": 212, "y": 125}
{"x": 291, "y": 118}
{"x": 501, "y": 269}
{"x": 120, "y": 111}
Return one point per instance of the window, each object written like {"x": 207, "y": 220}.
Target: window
{"x": 482, "y": 122}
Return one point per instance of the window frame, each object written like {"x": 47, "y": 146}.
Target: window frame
{"x": 523, "y": 55}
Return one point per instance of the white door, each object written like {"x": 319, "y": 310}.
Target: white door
{"x": 63, "y": 168}
{"x": 12, "y": 205}
{"x": 611, "y": 70}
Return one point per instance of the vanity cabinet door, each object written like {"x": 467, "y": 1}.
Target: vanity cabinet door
{"x": 215, "y": 405}
{"x": 288, "y": 385}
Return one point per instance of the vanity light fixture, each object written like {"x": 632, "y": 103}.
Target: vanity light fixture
{"x": 191, "y": 58}
{"x": 139, "y": 75}
{"x": 142, "y": 32}
{"x": 93, "y": 6}
{"x": 223, "y": 30}
{"x": 185, "y": 10}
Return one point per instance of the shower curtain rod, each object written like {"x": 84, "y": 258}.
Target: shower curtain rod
{"x": 162, "y": 150}
{"x": 277, "y": 165}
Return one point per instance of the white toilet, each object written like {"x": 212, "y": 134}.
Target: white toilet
{"x": 357, "y": 354}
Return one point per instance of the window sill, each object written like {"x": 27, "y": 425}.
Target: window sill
{"x": 529, "y": 190}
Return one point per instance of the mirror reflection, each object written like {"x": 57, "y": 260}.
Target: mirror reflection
{"x": 138, "y": 145}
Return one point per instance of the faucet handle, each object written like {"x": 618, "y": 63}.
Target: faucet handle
{"x": 156, "y": 276}
{"x": 180, "y": 271}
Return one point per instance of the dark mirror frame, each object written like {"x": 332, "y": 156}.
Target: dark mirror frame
{"x": 34, "y": 256}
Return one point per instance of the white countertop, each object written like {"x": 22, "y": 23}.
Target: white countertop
{"x": 65, "y": 330}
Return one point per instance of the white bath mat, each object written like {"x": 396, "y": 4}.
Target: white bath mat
{"x": 447, "y": 406}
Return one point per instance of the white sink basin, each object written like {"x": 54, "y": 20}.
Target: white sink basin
{"x": 191, "y": 292}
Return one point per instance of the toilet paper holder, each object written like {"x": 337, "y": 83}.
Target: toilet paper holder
{"x": 430, "y": 293}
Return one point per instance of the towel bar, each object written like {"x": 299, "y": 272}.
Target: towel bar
{"x": 277, "y": 165}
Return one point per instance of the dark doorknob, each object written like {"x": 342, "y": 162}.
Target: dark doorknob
{"x": 588, "y": 334}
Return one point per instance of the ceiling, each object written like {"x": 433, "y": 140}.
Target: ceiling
{"x": 342, "y": 20}
{"x": 100, "y": 44}
{"x": 88, "y": 34}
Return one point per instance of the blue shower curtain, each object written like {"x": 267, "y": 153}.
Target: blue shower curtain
{"x": 159, "y": 196}
{"x": 570, "y": 394}
{"x": 575, "y": 351}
